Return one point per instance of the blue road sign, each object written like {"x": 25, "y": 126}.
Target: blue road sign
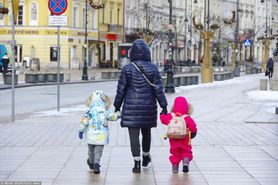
{"x": 57, "y": 7}
{"x": 247, "y": 42}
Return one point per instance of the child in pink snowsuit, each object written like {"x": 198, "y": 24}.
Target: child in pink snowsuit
{"x": 181, "y": 149}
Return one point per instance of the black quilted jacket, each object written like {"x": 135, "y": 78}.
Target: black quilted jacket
{"x": 139, "y": 99}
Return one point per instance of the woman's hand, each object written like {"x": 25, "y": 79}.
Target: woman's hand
{"x": 164, "y": 111}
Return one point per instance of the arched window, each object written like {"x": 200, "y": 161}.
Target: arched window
{"x": 34, "y": 14}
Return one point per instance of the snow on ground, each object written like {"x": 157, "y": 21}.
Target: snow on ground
{"x": 257, "y": 94}
{"x": 63, "y": 111}
{"x": 263, "y": 95}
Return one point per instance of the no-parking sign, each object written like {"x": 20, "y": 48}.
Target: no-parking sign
{"x": 57, "y": 7}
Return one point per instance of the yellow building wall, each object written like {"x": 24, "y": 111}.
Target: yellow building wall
{"x": 42, "y": 37}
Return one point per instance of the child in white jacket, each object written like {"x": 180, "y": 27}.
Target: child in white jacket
{"x": 94, "y": 126}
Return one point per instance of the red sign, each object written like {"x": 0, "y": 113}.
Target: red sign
{"x": 57, "y": 7}
{"x": 111, "y": 36}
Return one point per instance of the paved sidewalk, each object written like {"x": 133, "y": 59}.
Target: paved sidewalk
{"x": 236, "y": 144}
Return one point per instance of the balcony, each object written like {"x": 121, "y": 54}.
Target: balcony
{"x": 115, "y": 28}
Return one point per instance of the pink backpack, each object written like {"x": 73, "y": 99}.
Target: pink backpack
{"x": 176, "y": 129}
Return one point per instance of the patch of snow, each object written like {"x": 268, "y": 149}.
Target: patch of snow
{"x": 241, "y": 80}
{"x": 63, "y": 111}
{"x": 263, "y": 95}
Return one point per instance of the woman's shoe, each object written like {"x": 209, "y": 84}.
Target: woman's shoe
{"x": 137, "y": 167}
{"x": 146, "y": 160}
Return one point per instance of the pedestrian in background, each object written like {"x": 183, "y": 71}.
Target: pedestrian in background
{"x": 269, "y": 67}
{"x": 94, "y": 125}
{"x": 5, "y": 62}
{"x": 180, "y": 148}
{"x": 139, "y": 89}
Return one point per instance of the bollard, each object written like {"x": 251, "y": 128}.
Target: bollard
{"x": 195, "y": 80}
{"x": 189, "y": 80}
{"x": 177, "y": 81}
{"x": 263, "y": 84}
{"x": 113, "y": 75}
{"x": 183, "y": 80}
{"x": 42, "y": 78}
{"x": 52, "y": 77}
{"x": 218, "y": 77}
{"x": 8, "y": 79}
{"x": 105, "y": 75}
{"x": 31, "y": 78}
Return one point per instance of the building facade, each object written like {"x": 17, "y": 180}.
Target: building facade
{"x": 35, "y": 39}
{"x": 111, "y": 31}
{"x": 187, "y": 42}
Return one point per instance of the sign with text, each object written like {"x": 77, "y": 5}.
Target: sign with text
{"x": 57, "y": 20}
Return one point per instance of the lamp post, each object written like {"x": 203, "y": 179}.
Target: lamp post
{"x": 85, "y": 66}
{"x": 266, "y": 41}
{"x": 169, "y": 87}
{"x": 235, "y": 45}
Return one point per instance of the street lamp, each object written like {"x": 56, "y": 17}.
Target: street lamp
{"x": 235, "y": 61}
{"x": 85, "y": 66}
{"x": 266, "y": 41}
{"x": 169, "y": 87}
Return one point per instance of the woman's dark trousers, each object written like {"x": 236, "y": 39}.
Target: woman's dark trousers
{"x": 135, "y": 143}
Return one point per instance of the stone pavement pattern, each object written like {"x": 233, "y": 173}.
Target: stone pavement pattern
{"x": 237, "y": 144}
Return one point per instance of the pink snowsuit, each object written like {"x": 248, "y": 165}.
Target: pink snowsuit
{"x": 180, "y": 148}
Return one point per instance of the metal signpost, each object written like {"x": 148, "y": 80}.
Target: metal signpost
{"x": 15, "y": 4}
{"x": 57, "y": 8}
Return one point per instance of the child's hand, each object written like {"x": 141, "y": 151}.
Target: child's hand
{"x": 81, "y": 135}
{"x": 116, "y": 116}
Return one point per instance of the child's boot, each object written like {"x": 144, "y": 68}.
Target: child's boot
{"x": 146, "y": 160}
{"x": 96, "y": 168}
{"x": 185, "y": 168}
{"x": 90, "y": 164}
{"x": 175, "y": 168}
{"x": 137, "y": 167}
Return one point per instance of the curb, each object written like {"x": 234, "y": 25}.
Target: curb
{"x": 54, "y": 83}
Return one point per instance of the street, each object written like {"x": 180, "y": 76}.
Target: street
{"x": 237, "y": 140}
{"x": 45, "y": 97}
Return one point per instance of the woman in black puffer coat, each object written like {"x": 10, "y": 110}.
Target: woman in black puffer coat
{"x": 139, "y": 100}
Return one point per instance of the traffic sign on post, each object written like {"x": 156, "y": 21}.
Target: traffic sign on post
{"x": 57, "y": 7}
{"x": 247, "y": 42}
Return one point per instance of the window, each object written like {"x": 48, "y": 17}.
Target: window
{"x": 103, "y": 11}
{"x": 20, "y": 15}
{"x": 95, "y": 21}
{"x": 84, "y": 17}
{"x": 111, "y": 14}
{"x": 1, "y": 15}
{"x": 53, "y": 54}
{"x": 118, "y": 16}
{"x": 74, "y": 17}
{"x": 34, "y": 14}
